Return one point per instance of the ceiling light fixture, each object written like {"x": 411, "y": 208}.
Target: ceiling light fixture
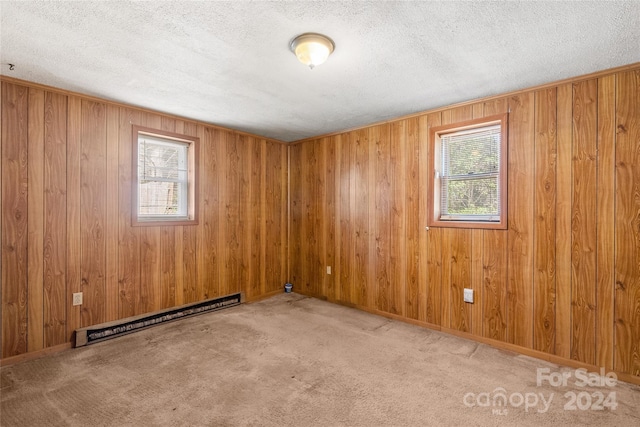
{"x": 312, "y": 49}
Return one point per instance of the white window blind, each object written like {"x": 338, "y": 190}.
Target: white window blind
{"x": 470, "y": 172}
{"x": 162, "y": 178}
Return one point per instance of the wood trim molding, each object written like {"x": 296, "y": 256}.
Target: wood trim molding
{"x": 252, "y": 299}
{"x": 85, "y": 97}
{"x": 552, "y": 358}
{"x": 434, "y": 184}
{"x": 596, "y": 74}
{"x": 7, "y": 361}
{"x": 193, "y": 169}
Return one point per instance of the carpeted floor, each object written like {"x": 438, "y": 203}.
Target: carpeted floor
{"x": 297, "y": 361}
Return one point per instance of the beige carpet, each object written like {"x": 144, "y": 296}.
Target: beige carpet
{"x": 297, "y": 361}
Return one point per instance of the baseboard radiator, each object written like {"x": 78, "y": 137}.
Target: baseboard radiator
{"x": 105, "y": 331}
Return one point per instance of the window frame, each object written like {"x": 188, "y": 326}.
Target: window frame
{"x": 192, "y": 143}
{"x": 435, "y": 183}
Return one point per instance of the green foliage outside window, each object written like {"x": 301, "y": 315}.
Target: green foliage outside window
{"x": 470, "y": 173}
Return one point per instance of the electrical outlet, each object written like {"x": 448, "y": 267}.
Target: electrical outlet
{"x": 77, "y": 298}
{"x": 328, "y": 269}
{"x": 468, "y": 295}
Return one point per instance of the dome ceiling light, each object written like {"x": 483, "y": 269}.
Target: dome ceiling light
{"x": 312, "y": 49}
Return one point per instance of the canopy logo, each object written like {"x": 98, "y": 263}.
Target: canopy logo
{"x": 595, "y": 398}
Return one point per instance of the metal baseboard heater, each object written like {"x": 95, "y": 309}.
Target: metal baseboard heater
{"x": 105, "y": 331}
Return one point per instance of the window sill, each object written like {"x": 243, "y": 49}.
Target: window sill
{"x": 162, "y": 222}
{"x": 469, "y": 224}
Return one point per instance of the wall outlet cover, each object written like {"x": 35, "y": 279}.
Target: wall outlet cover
{"x": 77, "y": 298}
{"x": 468, "y": 295}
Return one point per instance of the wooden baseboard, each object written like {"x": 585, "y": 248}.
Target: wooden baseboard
{"x": 262, "y": 296}
{"x": 632, "y": 379}
{"x": 489, "y": 341}
{"x": 7, "y": 361}
{"x": 35, "y": 354}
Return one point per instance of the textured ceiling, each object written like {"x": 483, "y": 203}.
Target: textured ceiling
{"x": 228, "y": 63}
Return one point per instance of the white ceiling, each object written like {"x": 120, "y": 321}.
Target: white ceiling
{"x": 228, "y": 63}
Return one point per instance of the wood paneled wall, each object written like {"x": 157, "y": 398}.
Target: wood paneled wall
{"x": 66, "y": 218}
{"x": 564, "y": 279}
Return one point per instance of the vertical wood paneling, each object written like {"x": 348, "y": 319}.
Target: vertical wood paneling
{"x": 55, "y": 221}
{"x": 583, "y": 221}
{"x": 313, "y": 272}
{"x": 337, "y": 184}
{"x": 494, "y": 264}
{"x": 261, "y": 173}
{"x": 446, "y": 254}
{"x": 346, "y": 217}
{"x": 191, "y": 234}
{"x": 129, "y": 237}
{"x": 283, "y": 210}
{"x": 414, "y": 228}
{"x": 150, "y": 250}
{"x": 329, "y": 223}
{"x": 430, "y": 272}
{"x": 314, "y": 218}
{"x": 74, "y": 150}
{"x": 112, "y": 209}
{"x": 179, "y": 239}
{"x": 496, "y": 106}
{"x": 357, "y": 204}
{"x": 373, "y": 135}
{"x": 627, "y": 223}
{"x": 254, "y": 216}
{"x": 295, "y": 194}
{"x": 212, "y": 234}
{"x": 544, "y": 280}
{"x": 397, "y": 219}
{"x": 309, "y": 212}
{"x": 605, "y": 232}
{"x": 92, "y": 212}
{"x": 381, "y": 217}
{"x": 149, "y": 291}
{"x": 243, "y": 222}
{"x": 66, "y": 218}
{"x": 477, "y": 280}
{"x": 494, "y": 293}
{"x": 263, "y": 214}
{"x": 321, "y": 245}
{"x": 167, "y": 267}
{"x": 14, "y": 218}
{"x": 230, "y": 275}
{"x": 35, "y": 221}
{"x": 167, "y": 248}
{"x": 477, "y": 248}
{"x": 305, "y": 220}
{"x": 460, "y": 276}
{"x": 520, "y": 219}
{"x": 563, "y": 220}
{"x": 456, "y": 247}
{"x": 361, "y": 188}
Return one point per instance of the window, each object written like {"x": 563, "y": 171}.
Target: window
{"x": 468, "y": 181}
{"x": 164, "y": 170}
